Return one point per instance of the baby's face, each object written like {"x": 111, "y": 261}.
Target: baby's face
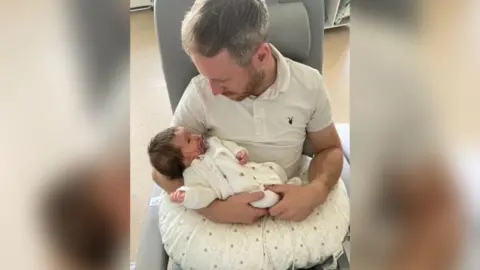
{"x": 191, "y": 145}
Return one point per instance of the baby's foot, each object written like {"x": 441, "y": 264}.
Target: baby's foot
{"x": 177, "y": 196}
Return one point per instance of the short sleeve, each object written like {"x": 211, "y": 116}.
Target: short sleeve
{"x": 190, "y": 112}
{"x": 322, "y": 111}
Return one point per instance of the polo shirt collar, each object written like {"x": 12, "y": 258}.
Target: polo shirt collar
{"x": 282, "y": 81}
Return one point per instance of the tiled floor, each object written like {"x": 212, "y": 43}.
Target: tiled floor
{"x": 150, "y": 108}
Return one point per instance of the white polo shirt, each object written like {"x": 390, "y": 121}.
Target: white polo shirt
{"x": 272, "y": 126}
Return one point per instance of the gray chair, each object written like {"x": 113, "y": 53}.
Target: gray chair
{"x": 296, "y": 29}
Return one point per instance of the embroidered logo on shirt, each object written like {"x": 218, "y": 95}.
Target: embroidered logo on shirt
{"x": 290, "y": 120}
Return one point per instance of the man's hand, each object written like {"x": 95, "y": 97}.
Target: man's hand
{"x": 235, "y": 209}
{"x": 297, "y": 202}
{"x": 242, "y": 157}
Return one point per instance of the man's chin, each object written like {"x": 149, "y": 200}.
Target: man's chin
{"x": 238, "y": 98}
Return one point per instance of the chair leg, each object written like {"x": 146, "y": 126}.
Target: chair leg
{"x": 342, "y": 262}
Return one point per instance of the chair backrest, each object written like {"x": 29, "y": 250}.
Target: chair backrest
{"x": 296, "y": 30}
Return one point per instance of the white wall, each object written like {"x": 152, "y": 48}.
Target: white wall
{"x": 139, "y": 3}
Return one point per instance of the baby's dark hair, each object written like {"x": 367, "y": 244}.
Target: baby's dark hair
{"x": 164, "y": 156}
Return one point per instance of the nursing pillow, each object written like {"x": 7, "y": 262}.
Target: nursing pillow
{"x": 195, "y": 242}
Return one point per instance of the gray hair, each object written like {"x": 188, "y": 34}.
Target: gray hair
{"x": 238, "y": 26}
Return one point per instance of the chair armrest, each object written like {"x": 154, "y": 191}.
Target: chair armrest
{"x": 345, "y": 175}
{"x": 151, "y": 254}
{"x": 343, "y": 130}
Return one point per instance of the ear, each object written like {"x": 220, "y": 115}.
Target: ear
{"x": 261, "y": 55}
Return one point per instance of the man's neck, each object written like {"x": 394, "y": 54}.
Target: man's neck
{"x": 270, "y": 76}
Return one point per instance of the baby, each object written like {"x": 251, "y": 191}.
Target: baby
{"x": 212, "y": 169}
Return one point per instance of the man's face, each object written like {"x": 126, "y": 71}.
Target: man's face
{"x": 226, "y": 77}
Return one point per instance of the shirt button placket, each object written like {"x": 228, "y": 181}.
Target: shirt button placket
{"x": 257, "y": 115}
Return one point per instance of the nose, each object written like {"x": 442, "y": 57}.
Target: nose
{"x": 215, "y": 89}
{"x": 197, "y": 137}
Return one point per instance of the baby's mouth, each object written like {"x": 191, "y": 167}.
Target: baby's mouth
{"x": 203, "y": 145}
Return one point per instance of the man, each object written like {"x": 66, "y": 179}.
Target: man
{"x": 250, "y": 94}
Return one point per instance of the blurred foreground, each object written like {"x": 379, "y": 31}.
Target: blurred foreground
{"x": 414, "y": 71}
{"x": 64, "y": 113}
{"x": 64, "y": 106}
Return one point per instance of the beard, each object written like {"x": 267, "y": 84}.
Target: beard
{"x": 255, "y": 80}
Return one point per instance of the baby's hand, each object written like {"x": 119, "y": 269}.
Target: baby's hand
{"x": 242, "y": 157}
{"x": 178, "y": 196}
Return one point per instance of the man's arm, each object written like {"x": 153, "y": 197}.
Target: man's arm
{"x": 235, "y": 209}
{"x": 326, "y": 166}
{"x": 324, "y": 171}
{"x": 298, "y": 203}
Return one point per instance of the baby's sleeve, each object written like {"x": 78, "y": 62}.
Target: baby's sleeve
{"x": 198, "y": 193}
{"x": 197, "y": 197}
{"x": 233, "y": 147}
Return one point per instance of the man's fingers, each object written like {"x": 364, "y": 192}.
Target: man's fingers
{"x": 257, "y": 214}
{"x": 284, "y": 216}
{"x": 260, "y": 212}
{"x": 253, "y": 196}
{"x": 279, "y": 188}
{"x": 277, "y": 209}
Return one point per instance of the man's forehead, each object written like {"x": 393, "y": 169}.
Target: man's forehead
{"x": 218, "y": 67}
